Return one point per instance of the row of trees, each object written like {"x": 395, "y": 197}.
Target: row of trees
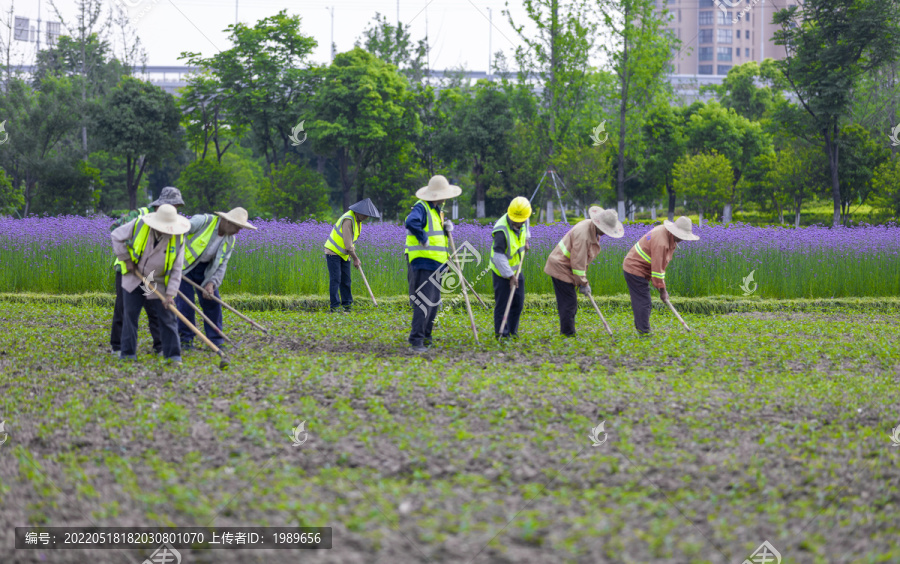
{"x": 260, "y": 125}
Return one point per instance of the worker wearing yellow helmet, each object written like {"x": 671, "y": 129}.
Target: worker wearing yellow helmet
{"x": 510, "y": 241}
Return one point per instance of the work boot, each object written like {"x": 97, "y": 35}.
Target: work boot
{"x": 418, "y": 348}
{"x": 176, "y": 360}
{"x": 127, "y": 357}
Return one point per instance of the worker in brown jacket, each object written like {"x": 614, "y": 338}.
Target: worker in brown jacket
{"x": 567, "y": 264}
{"x": 647, "y": 261}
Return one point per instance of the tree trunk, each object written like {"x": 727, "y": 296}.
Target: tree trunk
{"x": 550, "y": 215}
{"x": 700, "y": 219}
{"x": 797, "y": 218}
{"x": 831, "y": 151}
{"x": 346, "y": 182}
{"x": 726, "y": 214}
{"x": 671, "y": 190}
{"x": 653, "y": 212}
{"x": 478, "y": 172}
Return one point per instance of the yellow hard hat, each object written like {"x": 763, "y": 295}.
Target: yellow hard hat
{"x": 519, "y": 209}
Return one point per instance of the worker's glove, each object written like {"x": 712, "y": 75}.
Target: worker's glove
{"x": 663, "y": 294}
{"x": 448, "y": 225}
{"x": 585, "y": 290}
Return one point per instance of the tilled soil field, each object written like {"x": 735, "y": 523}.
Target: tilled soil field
{"x": 757, "y": 427}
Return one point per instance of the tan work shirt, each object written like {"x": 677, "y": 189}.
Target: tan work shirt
{"x": 569, "y": 260}
{"x": 153, "y": 260}
{"x": 658, "y": 246}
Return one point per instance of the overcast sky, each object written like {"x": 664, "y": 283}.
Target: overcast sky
{"x": 458, "y": 28}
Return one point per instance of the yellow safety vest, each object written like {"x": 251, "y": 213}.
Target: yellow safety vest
{"x": 137, "y": 245}
{"x": 515, "y": 243}
{"x": 197, "y": 242}
{"x": 335, "y": 242}
{"x": 434, "y": 232}
{"x": 119, "y": 265}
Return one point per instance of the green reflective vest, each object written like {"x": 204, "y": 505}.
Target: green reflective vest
{"x": 119, "y": 265}
{"x": 515, "y": 243}
{"x": 437, "y": 239}
{"x": 198, "y": 241}
{"x": 335, "y": 242}
{"x": 137, "y": 245}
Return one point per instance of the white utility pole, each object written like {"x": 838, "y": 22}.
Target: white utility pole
{"x": 490, "y": 40}
{"x": 235, "y": 12}
{"x": 332, "y": 32}
{"x": 762, "y": 36}
{"x": 38, "y": 30}
{"x": 398, "y": 14}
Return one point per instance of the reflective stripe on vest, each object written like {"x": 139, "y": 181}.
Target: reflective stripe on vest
{"x": 197, "y": 242}
{"x": 564, "y": 250}
{"x": 138, "y": 244}
{"x": 437, "y": 248}
{"x": 120, "y": 264}
{"x": 335, "y": 242}
{"x": 515, "y": 243}
{"x": 646, "y": 257}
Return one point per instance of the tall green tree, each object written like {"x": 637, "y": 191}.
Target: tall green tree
{"x": 886, "y": 187}
{"x": 139, "y": 122}
{"x": 664, "y": 131}
{"x": 858, "y": 158}
{"x": 38, "y": 122}
{"x": 362, "y": 103}
{"x": 733, "y": 136}
{"x": 392, "y": 44}
{"x": 206, "y": 122}
{"x": 639, "y": 52}
{"x": 704, "y": 179}
{"x": 477, "y": 136}
{"x": 267, "y": 83}
{"x": 750, "y": 89}
{"x": 830, "y": 44}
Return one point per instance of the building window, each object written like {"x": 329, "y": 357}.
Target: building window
{"x": 706, "y": 18}
{"x": 723, "y": 35}
{"x": 704, "y": 69}
{"x": 706, "y": 4}
{"x": 723, "y": 54}
{"x": 723, "y": 69}
{"x": 705, "y": 54}
{"x": 679, "y": 15}
{"x": 738, "y": 34}
{"x": 725, "y": 19}
{"x": 705, "y": 36}
{"x": 747, "y": 52}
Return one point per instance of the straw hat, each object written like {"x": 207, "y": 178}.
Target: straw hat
{"x": 681, "y": 228}
{"x": 438, "y": 189}
{"x": 169, "y": 195}
{"x": 607, "y": 221}
{"x": 237, "y": 216}
{"x": 166, "y": 220}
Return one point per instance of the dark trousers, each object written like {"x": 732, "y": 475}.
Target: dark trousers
{"x": 339, "y": 281}
{"x": 641, "y": 306}
{"x": 132, "y": 303}
{"x": 425, "y": 298}
{"x": 115, "y": 334}
{"x": 210, "y": 308}
{"x": 566, "y": 305}
{"x": 501, "y": 296}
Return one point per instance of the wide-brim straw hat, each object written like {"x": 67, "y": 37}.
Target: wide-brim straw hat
{"x": 366, "y": 207}
{"x": 169, "y": 195}
{"x": 237, "y": 216}
{"x": 607, "y": 221}
{"x": 439, "y": 188}
{"x": 166, "y": 220}
{"x": 683, "y": 228}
